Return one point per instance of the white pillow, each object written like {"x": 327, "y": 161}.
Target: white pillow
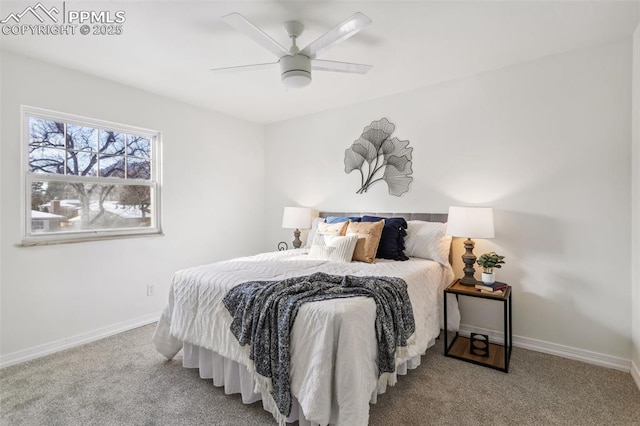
{"x": 333, "y": 248}
{"x": 427, "y": 240}
{"x": 313, "y": 230}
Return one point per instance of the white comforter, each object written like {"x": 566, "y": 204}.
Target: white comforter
{"x": 333, "y": 344}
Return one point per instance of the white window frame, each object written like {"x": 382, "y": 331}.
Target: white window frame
{"x": 155, "y": 181}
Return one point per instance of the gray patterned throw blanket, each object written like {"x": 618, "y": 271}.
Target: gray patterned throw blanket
{"x": 264, "y": 311}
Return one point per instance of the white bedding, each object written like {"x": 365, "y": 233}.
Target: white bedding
{"x": 333, "y": 345}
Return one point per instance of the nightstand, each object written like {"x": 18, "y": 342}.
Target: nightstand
{"x": 498, "y": 355}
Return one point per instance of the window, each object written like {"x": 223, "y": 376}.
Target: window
{"x": 87, "y": 179}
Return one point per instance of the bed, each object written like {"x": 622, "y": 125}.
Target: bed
{"x": 333, "y": 374}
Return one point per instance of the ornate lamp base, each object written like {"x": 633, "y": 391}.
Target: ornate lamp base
{"x": 297, "y": 242}
{"x": 469, "y": 259}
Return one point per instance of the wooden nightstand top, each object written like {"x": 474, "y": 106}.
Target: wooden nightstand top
{"x": 469, "y": 290}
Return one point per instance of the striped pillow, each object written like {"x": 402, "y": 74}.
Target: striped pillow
{"x": 333, "y": 248}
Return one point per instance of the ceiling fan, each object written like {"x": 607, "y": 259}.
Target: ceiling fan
{"x": 296, "y": 64}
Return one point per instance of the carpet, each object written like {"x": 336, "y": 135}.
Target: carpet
{"x": 122, "y": 380}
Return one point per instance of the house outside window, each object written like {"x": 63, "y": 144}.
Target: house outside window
{"x": 87, "y": 179}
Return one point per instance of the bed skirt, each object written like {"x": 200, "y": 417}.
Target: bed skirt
{"x": 235, "y": 378}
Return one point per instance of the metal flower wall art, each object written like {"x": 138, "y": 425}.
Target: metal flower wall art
{"x": 378, "y": 156}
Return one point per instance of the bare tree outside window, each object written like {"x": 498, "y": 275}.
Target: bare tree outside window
{"x": 85, "y": 177}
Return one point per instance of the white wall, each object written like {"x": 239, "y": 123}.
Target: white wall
{"x": 212, "y": 204}
{"x": 635, "y": 212}
{"x": 546, "y": 143}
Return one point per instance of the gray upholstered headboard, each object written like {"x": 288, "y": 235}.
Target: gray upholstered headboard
{"x": 427, "y": 217}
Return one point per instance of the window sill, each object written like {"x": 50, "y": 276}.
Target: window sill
{"x": 79, "y": 239}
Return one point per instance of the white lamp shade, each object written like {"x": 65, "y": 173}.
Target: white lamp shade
{"x": 296, "y": 218}
{"x": 470, "y": 222}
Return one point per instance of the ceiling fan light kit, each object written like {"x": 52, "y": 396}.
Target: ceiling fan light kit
{"x": 296, "y": 71}
{"x": 296, "y": 64}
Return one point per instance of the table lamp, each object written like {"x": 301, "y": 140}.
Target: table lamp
{"x": 296, "y": 218}
{"x": 470, "y": 222}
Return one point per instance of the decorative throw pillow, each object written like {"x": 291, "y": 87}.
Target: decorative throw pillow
{"x": 392, "y": 241}
{"x": 368, "y": 239}
{"x": 335, "y": 229}
{"x": 335, "y": 249}
{"x": 312, "y": 231}
{"x": 428, "y": 240}
{"x": 340, "y": 219}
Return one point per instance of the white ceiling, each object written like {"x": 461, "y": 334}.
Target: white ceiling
{"x": 169, "y": 47}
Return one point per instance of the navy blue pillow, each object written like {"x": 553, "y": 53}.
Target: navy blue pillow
{"x": 340, "y": 219}
{"x": 392, "y": 240}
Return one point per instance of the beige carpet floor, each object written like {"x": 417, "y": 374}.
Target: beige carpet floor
{"x": 122, "y": 380}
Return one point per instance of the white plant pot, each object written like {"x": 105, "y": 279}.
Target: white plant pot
{"x": 488, "y": 278}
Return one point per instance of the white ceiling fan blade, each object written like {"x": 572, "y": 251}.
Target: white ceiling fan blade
{"x": 340, "y": 33}
{"x": 322, "y": 65}
{"x": 244, "y": 67}
{"x": 243, "y": 25}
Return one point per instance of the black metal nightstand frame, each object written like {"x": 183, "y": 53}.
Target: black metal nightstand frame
{"x": 507, "y": 346}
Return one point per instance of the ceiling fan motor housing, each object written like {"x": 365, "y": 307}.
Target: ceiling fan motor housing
{"x": 295, "y": 70}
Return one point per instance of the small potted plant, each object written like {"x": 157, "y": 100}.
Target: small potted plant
{"x": 488, "y": 261}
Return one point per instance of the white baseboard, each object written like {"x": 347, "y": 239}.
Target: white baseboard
{"x": 73, "y": 341}
{"x": 583, "y": 355}
{"x": 635, "y": 373}
{"x": 495, "y": 336}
